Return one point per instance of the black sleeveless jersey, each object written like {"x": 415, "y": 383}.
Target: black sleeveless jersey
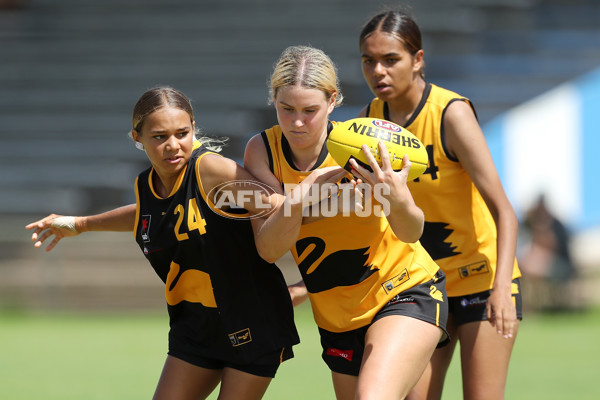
{"x": 224, "y": 301}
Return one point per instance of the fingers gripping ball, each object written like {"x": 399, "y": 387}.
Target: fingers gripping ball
{"x": 346, "y": 138}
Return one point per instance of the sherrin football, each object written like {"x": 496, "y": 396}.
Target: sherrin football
{"x": 346, "y": 138}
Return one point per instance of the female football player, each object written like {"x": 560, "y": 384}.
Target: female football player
{"x": 231, "y": 318}
{"x": 470, "y": 226}
{"x": 377, "y": 297}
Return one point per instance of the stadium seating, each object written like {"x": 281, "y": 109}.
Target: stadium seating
{"x": 71, "y": 71}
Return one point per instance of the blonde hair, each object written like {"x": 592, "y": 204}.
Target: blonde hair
{"x": 212, "y": 143}
{"x": 307, "y": 67}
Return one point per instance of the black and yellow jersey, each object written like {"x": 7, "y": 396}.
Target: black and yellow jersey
{"x": 351, "y": 265}
{"x": 224, "y": 301}
{"x": 460, "y": 233}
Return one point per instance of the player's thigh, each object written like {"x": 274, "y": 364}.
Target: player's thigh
{"x": 344, "y": 386}
{"x": 181, "y": 380}
{"x": 431, "y": 382}
{"x": 442, "y": 356}
{"x": 485, "y": 356}
{"x": 397, "y": 350}
{"x": 240, "y": 385}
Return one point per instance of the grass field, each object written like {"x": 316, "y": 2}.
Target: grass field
{"x": 78, "y": 356}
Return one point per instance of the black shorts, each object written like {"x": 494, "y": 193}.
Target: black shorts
{"x": 471, "y": 307}
{"x": 265, "y": 366}
{"x": 343, "y": 351}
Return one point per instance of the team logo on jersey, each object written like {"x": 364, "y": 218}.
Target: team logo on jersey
{"x": 240, "y": 337}
{"x": 473, "y": 269}
{"x": 146, "y": 227}
{"x": 396, "y": 281}
{"x": 189, "y": 284}
{"x": 233, "y": 198}
{"x": 435, "y": 240}
{"x": 341, "y": 268}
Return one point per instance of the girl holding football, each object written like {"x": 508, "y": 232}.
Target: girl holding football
{"x": 233, "y": 334}
{"x": 470, "y": 227}
{"x": 377, "y": 296}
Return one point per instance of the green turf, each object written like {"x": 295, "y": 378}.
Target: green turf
{"x": 78, "y": 356}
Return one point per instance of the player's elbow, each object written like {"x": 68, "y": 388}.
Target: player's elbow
{"x": 268, "y": 253}
{"x": 268, "y": 258}
{"x": 409, "y": 236}
{"x": 409, "y": 231}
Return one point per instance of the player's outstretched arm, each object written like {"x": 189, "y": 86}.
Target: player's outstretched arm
{"x": 59, "y": 226}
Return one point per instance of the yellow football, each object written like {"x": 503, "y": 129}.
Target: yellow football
{"x": 346, "y": 139}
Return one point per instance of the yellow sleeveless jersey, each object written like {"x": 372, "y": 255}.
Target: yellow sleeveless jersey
{"x": 460, "y": 233}
{"x": 351, "y": 265}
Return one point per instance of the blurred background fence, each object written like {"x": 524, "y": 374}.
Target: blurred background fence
{"x": 71, "y": 70}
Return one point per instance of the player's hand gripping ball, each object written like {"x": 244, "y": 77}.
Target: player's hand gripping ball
{"x": 346, "y": 138}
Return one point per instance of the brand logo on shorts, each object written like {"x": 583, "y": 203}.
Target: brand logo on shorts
{"x": 396, "y": 281}
{"x": 475, "y": 301}
{"x": 346, "y": 354}
{"x": 473, "y": 269}
{"x": 401, "y": 299}
{"x": 240, "y": 337}
{"x": 146, "y": 227}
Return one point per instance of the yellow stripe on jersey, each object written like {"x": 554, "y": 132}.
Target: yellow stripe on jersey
{"x": 137, "y": 207}
{"x": 175, "y": 187}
